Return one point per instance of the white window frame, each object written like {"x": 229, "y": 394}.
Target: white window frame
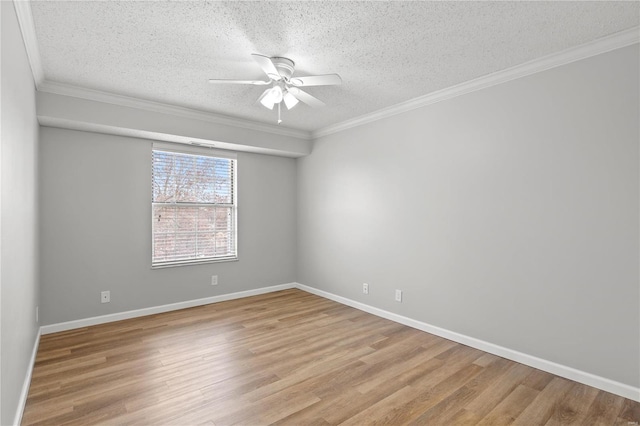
{"x": 208, "y": 152}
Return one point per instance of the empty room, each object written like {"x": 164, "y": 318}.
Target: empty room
{"x": 320, "y": 213}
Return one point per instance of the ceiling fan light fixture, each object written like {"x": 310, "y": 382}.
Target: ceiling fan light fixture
{"x": 272, "y": 97}
{"x": 277, "y": 94}
{"x": 267, "y": 102}
{"x": 289, "y": 100}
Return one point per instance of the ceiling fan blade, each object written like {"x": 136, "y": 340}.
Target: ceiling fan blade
{"x": 267, "y": 66}
{"x": 312, "y": 101}
{"x": 254, "y": 82}
{"x": 317, "y": 80}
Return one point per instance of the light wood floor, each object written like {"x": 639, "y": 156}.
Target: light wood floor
{"x": 293, "y": 358}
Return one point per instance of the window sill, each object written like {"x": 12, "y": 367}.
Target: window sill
{"x": 194, "y": 262}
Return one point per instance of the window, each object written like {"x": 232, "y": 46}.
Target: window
{"x": 193, "y": 207}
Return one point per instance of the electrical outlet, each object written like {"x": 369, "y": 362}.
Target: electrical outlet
{"x": 37, "y": 314}
{"x": 105, "y": 297}
{"x": 398, "y": 295}
{"x": 214, "y": 280}
{"x": 365, "y": 288}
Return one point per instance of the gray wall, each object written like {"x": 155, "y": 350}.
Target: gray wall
{"x": 18, "y": 241}
{"x": 509, "y": 214}
{"x": 96, "y": 228}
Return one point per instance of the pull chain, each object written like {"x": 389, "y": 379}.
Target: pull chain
{"x": 279, "y": 120}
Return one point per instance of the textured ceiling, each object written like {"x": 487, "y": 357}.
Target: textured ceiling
{"x": 386, "y": 52}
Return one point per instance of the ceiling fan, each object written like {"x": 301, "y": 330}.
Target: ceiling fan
{"x": 284, "y": 87}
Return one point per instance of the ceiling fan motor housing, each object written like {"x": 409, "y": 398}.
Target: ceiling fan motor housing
{"x": 285, "y": 67}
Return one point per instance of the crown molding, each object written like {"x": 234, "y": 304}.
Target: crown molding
{"x": 593, "y": 48}
{"x": 131, "y": 102}
{"x": 28, "y": 30}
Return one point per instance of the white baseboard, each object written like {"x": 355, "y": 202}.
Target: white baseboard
{"x": 570, "y": 373}
{"x": 102, "y": 319}
{"x": 27, "y": 381}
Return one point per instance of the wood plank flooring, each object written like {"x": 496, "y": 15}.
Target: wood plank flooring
{"x": 292, "y": 358}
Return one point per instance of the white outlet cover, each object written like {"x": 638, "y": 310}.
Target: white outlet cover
{"x": 398, "y": 295}
{"x": 214, "y": 280}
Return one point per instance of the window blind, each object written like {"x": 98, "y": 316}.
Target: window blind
{"x": 193, "y": 208}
